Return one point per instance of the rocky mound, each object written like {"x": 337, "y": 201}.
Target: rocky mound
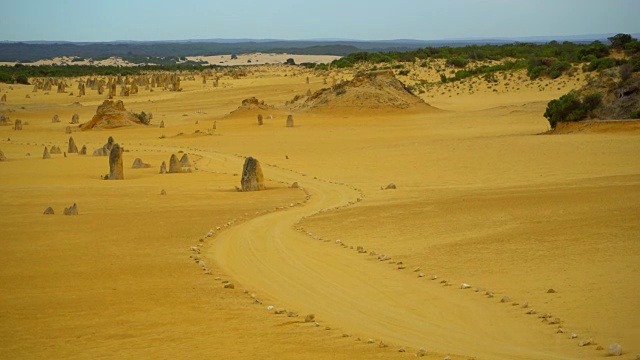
{"x": 373, "y": 90}
{"x": 251, "y": 105}
{"x": 111, "y": 114}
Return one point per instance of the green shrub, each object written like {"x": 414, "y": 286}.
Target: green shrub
{"x": 457, "y": 62}
{"x": 557, "y": 68}
{"x": 5, "y": 78}
{"x": 592, "y": 101}
{"x": 619, "y": 41}
{"x": 635, "y": 114}
{"x": 443, "y": 78}
{"x": 601, "y": 64}
{"x": 567, "y": 108}
{"x": 22, "y": 79}
{"x": 537, "y": 71}
{"x": 404, "y": 72}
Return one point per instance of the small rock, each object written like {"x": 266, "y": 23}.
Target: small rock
{"x": 402, "y": 349}
{"x": 614, "y": 349}
{"x": 585, "y": 342}
{"x": 48, "y": 211}
{"x": 505, "y": 299}
{"x": 551, "y": 291}
{"x": 422, "y": 352}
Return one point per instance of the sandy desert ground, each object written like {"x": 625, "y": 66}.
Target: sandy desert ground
{"x": 482, "y": 198}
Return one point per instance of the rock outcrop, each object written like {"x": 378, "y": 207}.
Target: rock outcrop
{"x": 260, "y": 119}
{"x": 71, "y": 210}
{"x": 163, "y": 168}
{"x": 75, "y": 119}
{"x": 55, "y": 150}
{"x": 139, "y": 164}
{"x": 2, "y": 157}
{"x": 45, "y": 153}
{"x": 372, "y": 90}
{"x": 174, "y": 165}
{"x": 111, "y": 114}
{"x": 17, "y": 125}
{"x": 55, "y": 119}
{"x": 252, "y": 178}
{"x": 83, "y": 151}
{"x": 67, "y": 130}
{"x": 72, "y": 148}
{"x": 184, "y": 161}
{"x": 48, "y": 211}
{"x": 116, "y": 171}
{"x": 290, "y": 121}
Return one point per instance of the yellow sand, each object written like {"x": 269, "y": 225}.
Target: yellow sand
{"x": 481, "y": 199}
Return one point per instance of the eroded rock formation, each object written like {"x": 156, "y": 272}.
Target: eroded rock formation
{"x": 116, "y": 171}
{"x": 252, "y": 178}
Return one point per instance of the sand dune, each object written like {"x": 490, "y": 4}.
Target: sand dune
{"x": 481, "y": 199}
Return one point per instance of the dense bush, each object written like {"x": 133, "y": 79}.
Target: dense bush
{"x": 558, "y": 68}
{"x": 457, "y": 62}
{"x": 569, "y": 108}
{"x": 5, "y": 78}
{"x": 601, "y": 64}
{"x": 22, "y": 79}
{"x": 619, "y": 41}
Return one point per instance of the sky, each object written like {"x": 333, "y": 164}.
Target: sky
{"x": 110, "y": 20}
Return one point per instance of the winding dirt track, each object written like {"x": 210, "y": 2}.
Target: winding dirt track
{"x": 363, "y": 296}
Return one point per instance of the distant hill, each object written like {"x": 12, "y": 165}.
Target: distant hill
{"x": 29, "y": 51}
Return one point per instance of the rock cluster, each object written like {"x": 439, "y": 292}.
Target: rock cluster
{"x": 71, "y": 210}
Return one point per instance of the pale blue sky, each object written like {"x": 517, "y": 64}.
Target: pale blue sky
{"x": 108, "y": 20}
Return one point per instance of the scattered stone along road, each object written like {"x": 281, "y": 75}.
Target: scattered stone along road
{"x": 362, "y": 296}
